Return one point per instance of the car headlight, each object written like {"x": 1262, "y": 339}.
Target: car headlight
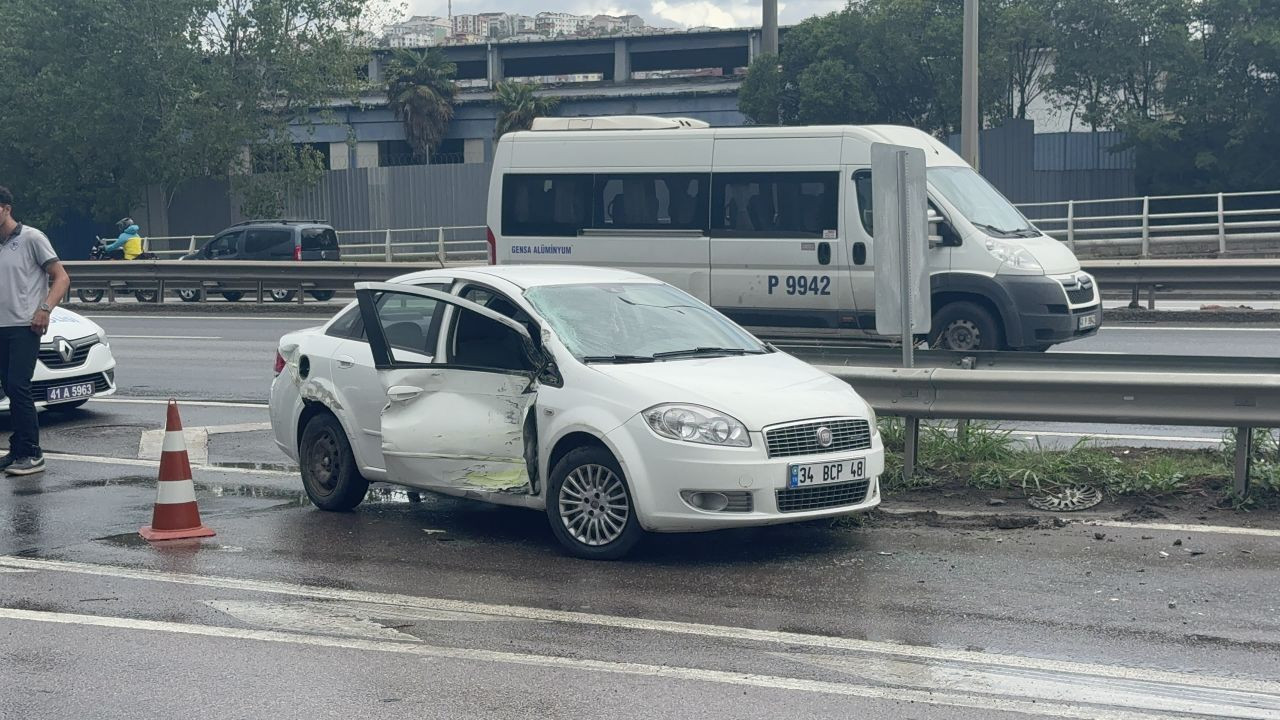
{"x": 697, "y": 424}
{"x": 1013, "y": 257}
{"x": 875, "y": 421}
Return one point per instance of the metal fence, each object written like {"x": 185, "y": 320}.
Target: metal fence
{"x": 446, "y": 245}
{"x": 1217, "y": 224}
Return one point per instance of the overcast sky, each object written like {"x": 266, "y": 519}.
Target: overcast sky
{"x": 668, "y": 13}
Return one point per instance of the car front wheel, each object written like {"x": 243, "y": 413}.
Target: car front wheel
{"x": 590, "y": 507}
{"x": 329, "y": 471}
{"x": 965, "y": 326}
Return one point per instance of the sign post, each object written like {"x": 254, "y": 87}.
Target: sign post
{"x": 901, "y": 243}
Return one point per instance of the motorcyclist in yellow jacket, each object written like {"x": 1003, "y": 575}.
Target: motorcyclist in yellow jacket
{"x": 130, "y": 242}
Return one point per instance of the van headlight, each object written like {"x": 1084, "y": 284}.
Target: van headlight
{"x": 697, "y": 424}
{"x": 1014, "y": 258}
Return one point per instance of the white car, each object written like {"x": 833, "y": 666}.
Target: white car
{"x": 75, "y": 364}
{"x": 613, "y": 402}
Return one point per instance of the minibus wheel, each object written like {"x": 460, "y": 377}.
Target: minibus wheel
{"x": 965, "y": 326}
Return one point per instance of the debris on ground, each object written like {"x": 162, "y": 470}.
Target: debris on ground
{"x": 996, "y": 502}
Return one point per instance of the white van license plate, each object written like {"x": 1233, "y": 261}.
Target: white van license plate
{"x": 829, "y": 472}
{"x": 69, "y": 393}
{"x": 1088, "y": 321}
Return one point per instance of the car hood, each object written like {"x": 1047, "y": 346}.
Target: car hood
{"x": 758, "y": 390}
{"x": 70, "y": 326}
{"x": 1054, "y": 256}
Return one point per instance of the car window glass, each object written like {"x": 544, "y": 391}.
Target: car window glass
{"x": 786, "y": 204}
{"x": 223, "y": 245}
{"x": 262, "y": 241}
{"x": 407, "y": 322}
{"x": 314, "y": 239}
{"x": 347, "y": 325}
{"x": 862, "y": 188}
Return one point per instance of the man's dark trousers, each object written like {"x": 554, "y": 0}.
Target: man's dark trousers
{"x": 19, "y": 347}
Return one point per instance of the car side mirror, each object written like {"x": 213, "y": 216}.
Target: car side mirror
{"x": 941, "y": 234}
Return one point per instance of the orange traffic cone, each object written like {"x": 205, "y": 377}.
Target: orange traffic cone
{"x": 176, "y": 515}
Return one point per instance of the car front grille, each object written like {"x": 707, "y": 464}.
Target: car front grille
{"x": 817, "y": 497}
{"x": 1080, "y": 295}
{"x": 1079, "y": 287}
{"x": 53, "y": 359}
{"x": 802, "y": 438}
{"x": 40, "y": 388}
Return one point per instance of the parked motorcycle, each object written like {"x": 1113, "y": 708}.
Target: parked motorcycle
{"x": 98, "y": 251}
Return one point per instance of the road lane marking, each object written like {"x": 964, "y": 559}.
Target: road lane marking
{"x": 165, "y": 337}
{"x": 317, "y": 318}
{"x": 717, "y": 632}
{"x": 132, "y": 462}
{"x": 1180, "y": 527}
{"x": 669, "y": 672}
{"x": 1164, "y": 328}
{"x": 117, "y": 400}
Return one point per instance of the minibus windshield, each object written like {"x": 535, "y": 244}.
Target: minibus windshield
{"x": 979, "y": 202}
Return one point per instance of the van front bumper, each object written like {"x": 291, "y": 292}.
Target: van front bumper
{"x": 1045, "y": 314}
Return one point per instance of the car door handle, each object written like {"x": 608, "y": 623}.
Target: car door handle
{"x": 345, "y": 361}
{"x": 403, "y": 393}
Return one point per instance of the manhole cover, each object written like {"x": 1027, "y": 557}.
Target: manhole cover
{"x": 1067, "y": 499}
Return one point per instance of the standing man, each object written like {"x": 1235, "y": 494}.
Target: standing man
{"x": 32, "y": 281}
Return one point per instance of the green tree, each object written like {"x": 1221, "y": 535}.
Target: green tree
{"x": 119, "y": 95}
{"x": 518, "y": 105}
{"x": 760, "y": 96}
{"x": 421, "y": 89}
{"x": 1016, "y": 54}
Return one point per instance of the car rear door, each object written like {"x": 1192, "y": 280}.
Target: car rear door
{"x": 272, "y": 243}
{"x": 460, "y": 423}
{"x": 319, "y": 243}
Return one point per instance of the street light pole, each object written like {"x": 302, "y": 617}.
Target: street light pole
{"x": 969, "y": 124}
{"x": 769, "y": 28}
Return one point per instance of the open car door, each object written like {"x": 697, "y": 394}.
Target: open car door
{"x": 462, "y": 423}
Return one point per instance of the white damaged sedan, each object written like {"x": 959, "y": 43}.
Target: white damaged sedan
{"x": 614, "y": 403}
{"x": 75, "y": 364}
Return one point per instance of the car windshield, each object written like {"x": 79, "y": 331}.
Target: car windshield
{"x": 978, "y": 201}
{"x": 637, "y": 322}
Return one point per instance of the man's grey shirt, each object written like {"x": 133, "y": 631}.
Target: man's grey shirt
{"x": 24, "y": 284}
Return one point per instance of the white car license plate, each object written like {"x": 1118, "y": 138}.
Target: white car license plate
{"x": 70, "y": 393}
{"x": 828, "y": 472}
{"x": 1089, "y": 321}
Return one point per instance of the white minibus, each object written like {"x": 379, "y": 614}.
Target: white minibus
{"x": 772, "y": 226}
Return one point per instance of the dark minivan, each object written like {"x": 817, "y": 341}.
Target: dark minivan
{"x": 270, "y": 240}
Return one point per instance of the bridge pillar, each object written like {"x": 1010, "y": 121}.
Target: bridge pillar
{"x": 494, "y": 63}
{"x": 621, "y": 61}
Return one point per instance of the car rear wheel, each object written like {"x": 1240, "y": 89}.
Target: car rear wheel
{"x": 233, "y": 296}
{"x": 323, "y": 295}
{"x": 189, "y": 295}
{"x": 283, "y": 295}
{"x": 329, "y": 472}
{"x": 90, "y": 296}
{"x": 965, "y": 326}
{"x": 146, "y": 296}
{"x": 589, "y": 506}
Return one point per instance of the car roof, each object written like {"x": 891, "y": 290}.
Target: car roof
{"x": 530, "y": 276}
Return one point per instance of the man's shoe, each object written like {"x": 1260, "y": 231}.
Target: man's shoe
{"x": 6, "y": 461}
{"x": 26, "y": 466}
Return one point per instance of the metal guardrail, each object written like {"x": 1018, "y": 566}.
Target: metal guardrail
{"x": 229, "y": 275}
{"x": 1224, "y": 226}
{"x": 446, "y": 244}
{"x": 1073, "y": 388}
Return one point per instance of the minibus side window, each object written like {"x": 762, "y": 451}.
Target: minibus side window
{"x": 652, "y": 201}
{"x": 786, "y": 204}
{"x": 546, "y": 205}
{"x": 862, "y": 188}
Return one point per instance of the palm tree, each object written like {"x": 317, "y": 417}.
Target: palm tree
{"x": 519, "y": 104}
{"x": 421, "y": 90}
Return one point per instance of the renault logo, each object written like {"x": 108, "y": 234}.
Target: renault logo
{"x": 65, "y": 351}
{"x": 824, "y": 437}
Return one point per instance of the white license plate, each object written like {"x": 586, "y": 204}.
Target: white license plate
{"x": 69, "y": 393}
{"x": 828, "y": 472}
{"x": 1088, "y": 321}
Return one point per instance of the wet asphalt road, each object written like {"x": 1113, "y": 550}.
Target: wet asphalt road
{"x": 448, "y": 609}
